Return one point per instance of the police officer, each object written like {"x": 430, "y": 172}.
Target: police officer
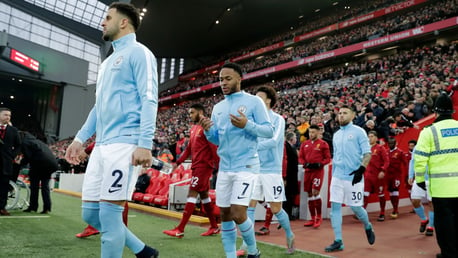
{"x": 437, "y": 148}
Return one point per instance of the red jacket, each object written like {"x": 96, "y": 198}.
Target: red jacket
{"x": 314, "y": 152}
{"x": 379, "y": 160}
{"x": 202, "y": 151}
{"x": 398, "y": 162}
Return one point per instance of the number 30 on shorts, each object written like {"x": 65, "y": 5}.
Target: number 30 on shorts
{"x": 356, "y": 196}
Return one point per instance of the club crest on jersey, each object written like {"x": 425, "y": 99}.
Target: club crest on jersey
{"x": 118, "y": 61}
{"x": 242, "y": 109}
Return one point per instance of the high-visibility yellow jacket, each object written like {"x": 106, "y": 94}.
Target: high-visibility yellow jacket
{"x": 437, "y": 149}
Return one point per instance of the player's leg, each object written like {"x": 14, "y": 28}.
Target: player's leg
{"x": 117, "y": 186}
{"x": 223, "y": 200}
{"x": 308, "y": 181}
{"x": 337, "y": 195}
{"x": 316, "y": 186}
{"x": 188, "y": 211}
{"x": 416, "y": 195}
{"x": 209, "y": 209}
{"x": 240, "y": 198}
{"x": 353, "y": 199}
{"x": 394, "y": 196}
{"x": 381, "y": 196}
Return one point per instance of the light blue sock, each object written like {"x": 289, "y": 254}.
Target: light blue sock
{"x": 229, "y": 237}
{"x": 431, "y": 218}
{"x": 420, "y": 211}
{"x": 247, "y": 231}
{"x": 336, "y": 220}
{"x": 113, "y": 230}
{"x": 283, "y": 219}
{"x": 90, "y": 214}
{"x": 361, "y": 213}
{"x": 250, "y": 213}
{"x": 132, "y": 241}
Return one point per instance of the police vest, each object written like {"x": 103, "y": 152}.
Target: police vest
{"x": 437, "y": 148}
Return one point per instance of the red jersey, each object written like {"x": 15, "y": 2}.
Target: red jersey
{"x": 202, "y": 151}
{"x": 314, "y": 152}
{"x": 398, "y": 162}
{"x": 379, "y": 160}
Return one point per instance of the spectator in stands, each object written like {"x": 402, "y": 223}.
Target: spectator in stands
{"x": 235, "y": 125}
{"x": 42, "y": 164}
{"x": 181, "y": 144}
{"x": 124, "y": 144}
{"x": 9, "y": 148}
{"x": 204, "y": 161}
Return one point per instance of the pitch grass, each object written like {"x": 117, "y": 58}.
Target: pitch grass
{"x": 53, "y": 235}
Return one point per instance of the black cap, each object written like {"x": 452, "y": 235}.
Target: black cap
{"x": 444, "y": 104}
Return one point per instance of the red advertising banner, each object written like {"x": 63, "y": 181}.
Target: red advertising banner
{"x": 380, "y": 12}
{"x": 451, "y": 22}
{"x": 315, "y": 33}
{"x": 258, "y": 51}
{"x": 322, "y": 31}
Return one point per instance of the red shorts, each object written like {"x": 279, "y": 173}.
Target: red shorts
{"x": 374, "y": 185}
{"x": 200, "y": 180}
{"x": 393, "y": 183}
{"x": 313, "y": 180}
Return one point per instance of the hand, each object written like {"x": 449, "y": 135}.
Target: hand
{"x": 358, "y": 175}
{"x": 239, "y": 121}
{"x": 422, "y": 185}
{"x": 410, "y": 181}
{"x": 381, "y": 175}
{"x": 206, "y": 123}
{"x": 72, "y": 155}
{"x": 143, "y": 157}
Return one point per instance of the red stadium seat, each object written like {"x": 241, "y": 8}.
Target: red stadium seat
{"x": 154, "y": 187}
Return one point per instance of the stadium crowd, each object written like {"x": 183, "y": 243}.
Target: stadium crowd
{"x": 436, "y": 11}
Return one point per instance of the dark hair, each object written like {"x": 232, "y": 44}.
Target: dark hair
{"x": 128, "y": 10}
{"x": 4, "y": 109}
{"x": 236, "y": 67}
{"x": 198, "y": 107}
{"x": 290, "y": 136}
{"x": 270, "y": 92}
{"x": 314, "y": 126}
{"x": 348, "y": 107}
{"x": 373, "y": 133}
{"x": 413, "y": 141}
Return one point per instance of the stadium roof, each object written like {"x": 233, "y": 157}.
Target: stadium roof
{"x": 187, "y": 28}
{"x": 184, "y": 28}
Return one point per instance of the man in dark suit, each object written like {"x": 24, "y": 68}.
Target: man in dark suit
{"x": 290, "y": 163}
{"x": 9, "y": 148}
{"x": 42, "y": 164}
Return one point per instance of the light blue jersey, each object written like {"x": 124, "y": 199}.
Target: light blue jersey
{"x": 270, "y": 150}
{"x": 237, "y": 147}
{"x": 126, "y": 97}
{"x": 350, "y": 144}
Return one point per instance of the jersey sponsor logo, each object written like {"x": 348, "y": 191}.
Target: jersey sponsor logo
{"x": 450, "y": 132}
